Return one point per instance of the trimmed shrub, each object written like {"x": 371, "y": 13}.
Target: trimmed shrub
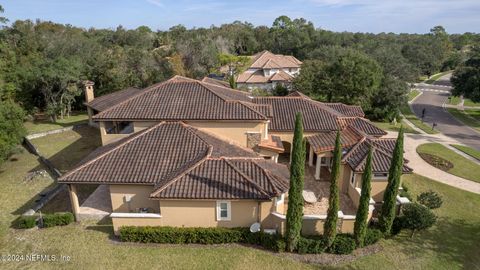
{"x": 173, "y": 235}
{"x": 430, "y": 199}
{"x": 311, "y": 246}
{"x": 372, "y": 236}
{"x": 417, "y": 217}
{"x": 26, "y": 222}
{"x": 343, "y": 244}
{"x": 57, "y": 219}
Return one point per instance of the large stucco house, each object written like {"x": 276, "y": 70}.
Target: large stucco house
{"x": 268, "y": 70}
{"x": 194, "y": 153}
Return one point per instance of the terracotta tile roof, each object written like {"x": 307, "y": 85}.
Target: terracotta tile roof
{"x": 281, "y": 76}
{"x": 216, "y": 82}
{"x": 106, "y": 101}
{"x": 347, "y": 110}
{"x": 316, "y": 116}
{"x": 182, "y": 162}
{"x": 362, "y": 125}
{"x": 325, "y": 141}
{"x": 184, "y": 99}
{"x": 266, "y": 59}
{"x": 142, "y": 158}
{"x": 357, "y": 155}
{"x": 298, "y": 94}
{"x": 224, "y": 179}
{"x": 273, "y": 143}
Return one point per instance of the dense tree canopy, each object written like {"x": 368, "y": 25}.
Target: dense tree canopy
{"x": 466, "y": 78}
{"x": 120, "y": 58}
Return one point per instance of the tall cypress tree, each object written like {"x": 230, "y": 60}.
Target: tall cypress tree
{"x": 330, "y": 225}
{"x": 360, "y": 226}
{"x": 387, "y": 214}
{"x": 295, "y": 199}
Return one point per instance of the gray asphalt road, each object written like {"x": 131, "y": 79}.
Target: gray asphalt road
{"x": 432, "y": 102}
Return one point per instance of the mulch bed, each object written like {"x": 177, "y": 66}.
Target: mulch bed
{"x": 437, "y": 162}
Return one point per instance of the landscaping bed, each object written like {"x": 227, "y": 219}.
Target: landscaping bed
{"x": 445, "y": 159}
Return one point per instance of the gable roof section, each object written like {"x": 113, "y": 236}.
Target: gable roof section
{"x": 104, "y": 102}
{"x": 357, "y": 155}
{"x": 224, "y": 179}
{"x": 266, "y": 59}
{"x": 216, "y": 82}
{"x": 362, "y": 125}
{"x": 316, "y": 117}
{"x": 347, "y": 110}
{"x": 180, "y": 161}
{"x": 325, "y": 141}
{"x": 181, "y": 99}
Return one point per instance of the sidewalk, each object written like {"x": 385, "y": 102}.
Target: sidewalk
{"x": 421, "y": 167}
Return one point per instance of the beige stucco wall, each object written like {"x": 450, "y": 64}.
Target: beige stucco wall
{"x": 312, "y": 226}
{"x": 347, "y": 225}
{"x": 180, "y": 213}
{"x": 234, "y": 131}
{"x": 109, "y": 138}
{"x": 229, "y": 130}
{"x": 354, "y": 196}
{"x": 139, "y": 198}
{"x": 274, "y": 222}
{"x": 378, "y": 187}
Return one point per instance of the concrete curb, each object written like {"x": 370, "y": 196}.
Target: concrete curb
{"x": 411, "y": 101}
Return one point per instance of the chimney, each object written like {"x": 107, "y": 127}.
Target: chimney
{"x": 89, "y": 96}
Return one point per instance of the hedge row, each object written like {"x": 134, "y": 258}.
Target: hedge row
{"x": 48, "y": 220}
{"x": 343, "y": 244}
{"x": 173, "y": 235}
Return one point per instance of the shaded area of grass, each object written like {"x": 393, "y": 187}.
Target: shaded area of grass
{"x": 465, "y": 118}
{"x": 462, "y": 167}
{"x": 391, "y": 127}
{"x": 451, "y": 244}
{"x": 468, "y": 150}
{"x": 413, "y": 94}
{"x": 45, "y": 125}
{"x": 453, "y": 100}
{"x": 469, "y": 102}
{"x": 410, "y": 116}
{"x": 437, "y": 76}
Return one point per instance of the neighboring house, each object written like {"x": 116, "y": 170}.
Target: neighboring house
{"x": 194, "y": 153}
{"x": 267, "y": 70}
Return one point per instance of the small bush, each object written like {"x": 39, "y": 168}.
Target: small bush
{"x": 417, "y": 217}
{"x": 398, "y": 225}
{"x": 310, "y": 246}
{"x": 430, "y": 199}
{"x": 57, "y": 219}
{"x": 26, "y": 222}
{"x": 372, "y": 236}
{"x": 343, "y": 244}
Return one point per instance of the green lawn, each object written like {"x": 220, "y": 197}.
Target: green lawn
{"x": 467, "y": 102}
{"x": 390, "y": 127}
{"x": 451, "y": 244}
{"x": 468, "y": 150}
{"x": 437, "y": 76}
{"x": 45, "y": 125}
{"x": 453, "y": 100}
{"x": 462, "y": 167}
{"x": 468, "y": 117}
{"x": 413, "y": 94}
{"x": 409, "y": 115}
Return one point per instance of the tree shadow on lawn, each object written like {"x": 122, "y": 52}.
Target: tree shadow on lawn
{"x": 104, "y": 226}
{"x": 451, "y": 239}
{"x": 64, "y": 160}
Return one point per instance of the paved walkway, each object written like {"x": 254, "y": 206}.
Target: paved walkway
{"x": 412, "y": 141}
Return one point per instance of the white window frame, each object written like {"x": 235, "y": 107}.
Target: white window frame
{"x": 229, "y": 211}
{"x": 280, "y": 199}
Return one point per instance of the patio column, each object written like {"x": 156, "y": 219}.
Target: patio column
{"x": 310, "y": 157}
{"x": 72, "y": 190}
{"x": 318, "y": 167}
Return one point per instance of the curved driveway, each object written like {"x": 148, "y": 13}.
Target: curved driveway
{"x": 431, "y": 100}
